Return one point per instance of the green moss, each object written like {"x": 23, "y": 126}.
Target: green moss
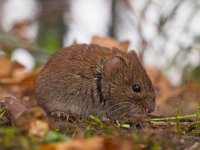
{"x": 13, "y": 138}
{"x": 51, "y": 137}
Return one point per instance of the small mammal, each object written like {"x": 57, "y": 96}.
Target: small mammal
{"x": 90, "y": 79}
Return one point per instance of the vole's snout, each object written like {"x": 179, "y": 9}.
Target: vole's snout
{"x": 149, "y": 104}
{"x": 150, "y": 107}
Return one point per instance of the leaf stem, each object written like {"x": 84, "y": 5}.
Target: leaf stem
{"x": 176, "y": 117}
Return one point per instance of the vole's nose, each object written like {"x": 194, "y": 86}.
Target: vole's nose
{"x": 150, "y": 108}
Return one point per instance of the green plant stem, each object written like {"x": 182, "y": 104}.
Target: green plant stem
{"x": 174, "y": 118}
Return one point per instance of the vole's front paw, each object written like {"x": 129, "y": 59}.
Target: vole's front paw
{"x": 64, "y": 115}
{"x": 59, "y": 114}
{"x": 105, "y": 119}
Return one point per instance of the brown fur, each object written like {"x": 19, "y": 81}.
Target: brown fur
{"x": 90, "y": 79}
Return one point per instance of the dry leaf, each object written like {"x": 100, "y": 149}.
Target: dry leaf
{"x": 28, "y": 81}
{"x": 169, "y": 98}
{"x": 110, "y": 42}
{"x": 33, "y": 121}
{"x": 11, "y": 72}
{"x": 95, "y": 143}
{"x": 6, "y": 66}
{"x": 161, "y": 84}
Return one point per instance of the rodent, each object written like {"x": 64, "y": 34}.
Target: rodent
{"x": 94, "y": 80}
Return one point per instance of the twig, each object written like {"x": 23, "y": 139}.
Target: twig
{"x": 174, "y": 118}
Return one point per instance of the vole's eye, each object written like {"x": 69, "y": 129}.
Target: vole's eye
{"x": 136, "y": 88}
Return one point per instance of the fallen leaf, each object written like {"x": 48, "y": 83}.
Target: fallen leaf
{"x": 110, "y": 43}
{"x": 28, "y": 81}
{"x": 6, "y": 66}
{"x": 33, "y": 121}
{"x": 95, "y": 143}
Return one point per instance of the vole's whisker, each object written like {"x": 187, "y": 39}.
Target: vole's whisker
{"x": 115, "y": 105}
{"x": 127, "y": 112}
{"x": 133, "y": 111}
{"x": 112, "y": 106}
{"x": 121, "y": 107}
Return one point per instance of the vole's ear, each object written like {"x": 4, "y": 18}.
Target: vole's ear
{"x": 113, "y": 66}
{"x": 133, "y": 53}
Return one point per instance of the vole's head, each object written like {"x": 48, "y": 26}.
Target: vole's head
{"x": 128, "y": 87}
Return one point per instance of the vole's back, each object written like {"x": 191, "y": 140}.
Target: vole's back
{"x": 78, "y": 59}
